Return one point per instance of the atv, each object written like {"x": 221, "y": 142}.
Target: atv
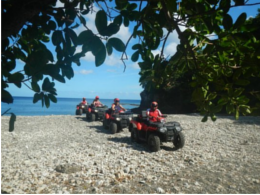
{"x": 115, "y": 122}
{"x": 156, "y": 133}
{"x": 81, "y": 108}
{"x": 96, "y": 113}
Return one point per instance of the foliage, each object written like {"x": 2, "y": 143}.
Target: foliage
{"x": 222, "y": 54}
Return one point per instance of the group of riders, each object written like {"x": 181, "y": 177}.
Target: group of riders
{"x": 152, "y": 113}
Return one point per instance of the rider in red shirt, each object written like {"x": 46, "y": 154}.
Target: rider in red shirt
{"x": 96, "y": 102}
{"x": 84, "y": 101}
{"x": 116, "y": 107}
{"x": 153, "y": 112}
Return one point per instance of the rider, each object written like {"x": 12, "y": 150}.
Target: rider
{"x": 153, "y": 112}
{"x": 116, "y": 107}
{"x": 84, "y": 101}
{"x": 96, "y": 102}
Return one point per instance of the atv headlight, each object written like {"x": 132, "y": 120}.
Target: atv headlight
{"x": 130, "y": 118}
{"x": 163, "y": 129}
{"x": 178, "y": 128}
{"x": 118, "y": 119}
{"x": 96, "y": 110}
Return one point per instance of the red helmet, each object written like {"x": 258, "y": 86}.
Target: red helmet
{"x": 97, "y": 97}
{"x": 116, "y": 100}
{"x": 154, "y": 104}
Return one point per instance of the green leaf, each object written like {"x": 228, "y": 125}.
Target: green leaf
{"x": 109, "y": 48}
{"x": 135, "y": 56}
{"x": 213, "y": 117}
{"x": 171, "y": 5}
{"x": 126, "y": 21}
{"x": 85, "y": 36}
{"x": 101, "y": 21}
{"x": 46, "y": 101}
{"x": 117, "y": 44}
{"x": 212, "y": 96}
{"x": 46, "y": 85}
{"x": 131, "y": 6}
{"x": 11, "y": 122}
{"x": 240, "y": 21}
{"x": 239, "y": 2}
{"x": 52, "y": 25}
{"x": 6, "y": 97}
{"x": 242, "y": 82}
{"x": 36, "y": 97}
{"x": 242, "y": 100}
{"x": 204, "y": 119}
{"x": 229, "y": 108}
{"x": 73, "y": 36}
{"x": 57, "y": 37}
{"x": 52, "y": 98}
{"x": 121, "y": 4}
{"x": 223, "y": 101}
{"x": 238, "y": 92}
{"x": 35, "y": 86}
{"x": 137, "y": 46}
{"x": 99, "y": 51}
{"x": 118, "y": 20}
{"x": 227, "y": 21}
{"x": 225, "y": 5}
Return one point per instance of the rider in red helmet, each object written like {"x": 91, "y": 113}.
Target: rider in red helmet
{"x": 84, "y": 101}
{"x": 96, "y": 102}
{"x": 153, "y": 112}
{"x": 116, "y": 107}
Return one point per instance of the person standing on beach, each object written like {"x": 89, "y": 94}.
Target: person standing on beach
{"x": 116, "y": 107}
{"x": 96, "y": 102}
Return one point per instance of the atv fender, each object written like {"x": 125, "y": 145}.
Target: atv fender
{"x": 139, "y": 126}
{"x": 107, "y": 116}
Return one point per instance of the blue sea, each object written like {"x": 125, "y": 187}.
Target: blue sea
{"x": 24, "y": 106}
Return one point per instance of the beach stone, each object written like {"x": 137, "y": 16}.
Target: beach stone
{"x": 160, "y": 190}
{"x": 68, "y": 168}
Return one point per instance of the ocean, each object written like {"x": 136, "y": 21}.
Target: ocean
{"x": 24, "y": 106}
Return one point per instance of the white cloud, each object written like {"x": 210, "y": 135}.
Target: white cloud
{"x": 84, "y": 72}
{"x": 113, "y": 60}
{"x": 170, "y": 49}
{"x": 134, "y": 66}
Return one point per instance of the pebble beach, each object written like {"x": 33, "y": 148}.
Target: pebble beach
{"x": 65, "y": 154}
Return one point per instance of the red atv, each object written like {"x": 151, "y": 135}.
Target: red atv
{"x": 96, "y": 113}
{"x": 155, "y": 133}
{"x": 116, "y": 121}
{"x": 81, "y": 108}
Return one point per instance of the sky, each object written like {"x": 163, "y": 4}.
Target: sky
{"x": 109, "y": 80}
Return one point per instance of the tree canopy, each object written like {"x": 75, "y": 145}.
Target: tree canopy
{"x": 221, "y": 56}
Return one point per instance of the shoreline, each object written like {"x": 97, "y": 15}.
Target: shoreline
{"x": 67, "y": 154}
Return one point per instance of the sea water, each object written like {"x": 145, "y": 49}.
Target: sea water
{"x": 24, "y": 106}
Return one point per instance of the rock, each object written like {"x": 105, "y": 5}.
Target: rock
{"x": 160, "y": 190}
{"x": 68, "y": 168}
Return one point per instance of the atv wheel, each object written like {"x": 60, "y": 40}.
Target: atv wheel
{"x": 154, "y": 143}
{"x": 134, "y": 135}
{"x": 179, "y": 140}
{"x": 113, "y": 127}
{"x": 80, "y": 112}
{"x": 77, "y": 112}
{"x": 105, "y": 123}
{"x": 92, "y": 117}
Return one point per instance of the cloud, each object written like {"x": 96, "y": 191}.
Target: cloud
{"x": 170, "y": 49}
{"x": 111, "y": 70}
{"x": 84, "y": 72}
{"x": 134, "y": 66}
